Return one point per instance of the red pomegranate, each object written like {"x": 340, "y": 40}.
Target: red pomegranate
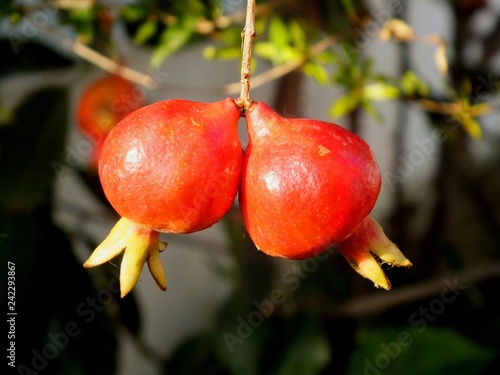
{"x": 173, "y": 167}
{"x": 306, "y": 185}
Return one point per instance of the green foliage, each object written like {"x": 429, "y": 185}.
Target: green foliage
{"x": 174, "y": 38}
{"x": 410, "y": 350}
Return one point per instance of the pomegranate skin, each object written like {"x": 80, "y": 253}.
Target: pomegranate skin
{"x": 173, "y": 166}
{"x": 306, "y": 184}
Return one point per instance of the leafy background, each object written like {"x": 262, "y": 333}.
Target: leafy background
{"x": 394, "y": 72}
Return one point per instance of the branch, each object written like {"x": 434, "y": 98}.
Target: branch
{"x": 367, "y": 305}
{"x": 244, "y": 101}
{"x": 108, "y": 64}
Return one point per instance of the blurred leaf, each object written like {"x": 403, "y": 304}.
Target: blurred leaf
{"x": 224, "y": 53}
{"x": 231, "y": 36}
{"x": 6, "y": 116}
{"x": 397, "y": 29}
{"x": 326, "y": 57}
{"x": 306, "y": 350}
{"x": 440, "y": 59}
{"x": 471, "y": 126}
{"x": 344, "y": 104}
{"x": 412, "y": 84}
{"x": 279, "y": 34}
{"x": 145, "y": 31}
{"x": 317, "y": 71}
{"x": 411, "y": 351}
{"x": 349, "y": 7}
{"x": 83, "y": 19}
{"x": 380, "y": 91}
{"x": 30, "y": 147}
{"x": 173, "y": 39}
{"x": 298, "y": 36}
{"x": 135, "y": 12}
{"x": 266, "y": 50}
{"x": 480, "y": 109}
{"x": 370, "y": 109}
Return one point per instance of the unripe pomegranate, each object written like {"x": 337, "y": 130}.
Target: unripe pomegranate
{"x": 102, "y": 105}
{"x": 306, "y": 184}
{"x": 173, "y": 167}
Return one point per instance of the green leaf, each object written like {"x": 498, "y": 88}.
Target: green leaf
{"x": 380, "y": 91}
{"x": 326, "y": 57}
{"x": 412, "y": 84}
{"x": 414, "y": 351}
{"x": 173, "y": 39}
{"x": 298, "y": 36}
{"x": 223, "y": 53}
{"x": 84, "y": 20}
{"x": 279, "y": 34}
{"x": 135, "y": 12}
{"x": 317, "y": 71}
{"x": 266, "y": 50}
{"x": 471, "y": 126}
{"x": 145, "y": 31}
{"x": 370, "y": 109}
{"x": 344, "y": 104}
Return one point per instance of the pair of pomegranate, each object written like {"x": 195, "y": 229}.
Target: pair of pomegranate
{"x": 304, "y": 185}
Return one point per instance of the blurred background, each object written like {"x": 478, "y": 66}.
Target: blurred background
{"x": 418, "y": 80}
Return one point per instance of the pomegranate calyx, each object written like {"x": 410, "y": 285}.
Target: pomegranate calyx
{"x": 139, "y": 245}
{"x": 367, "y": 248}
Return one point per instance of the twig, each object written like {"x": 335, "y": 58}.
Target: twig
{"x": 283, "y": 69}
{"x": 108, "y": 64}
{"x": 367, "y": 305}
{"x": 244, "y": 101}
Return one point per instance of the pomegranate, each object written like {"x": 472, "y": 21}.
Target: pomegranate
{"x": 306, "y": 184}
{"x": 102, "y": 105}
{"x": 173, "y": 167}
